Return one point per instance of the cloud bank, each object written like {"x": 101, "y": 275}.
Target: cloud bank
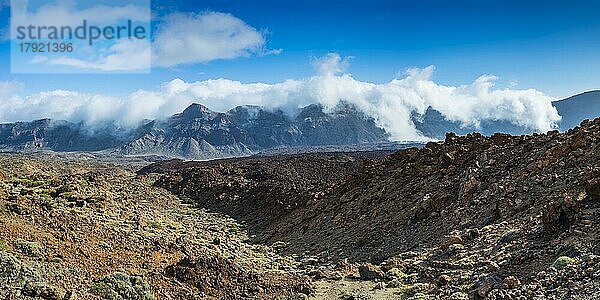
{"x": 391, "y": 103}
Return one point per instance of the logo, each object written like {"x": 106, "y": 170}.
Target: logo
{"x": 80, "y": 37}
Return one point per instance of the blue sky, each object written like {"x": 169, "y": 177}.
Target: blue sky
{"x": 551, "y": 46}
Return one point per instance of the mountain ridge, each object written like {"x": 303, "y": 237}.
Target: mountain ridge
{"x": 201, "y": 133}
{"x": 578, "y": 107}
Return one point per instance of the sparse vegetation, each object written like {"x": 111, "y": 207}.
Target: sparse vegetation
{"x": 414, "y": 289}
{"x": 459, "y": 215}
{"x": 14, "y": 275}
{"x": 3, "y": 245}
{"x": 120, "y": 286}
{"x": 563, "y": 261}
{"x": 395, "y": 273}
{"x": 32, "y": 249}
{"x": 91, "y": 219}
{"x": 29, "y": 183}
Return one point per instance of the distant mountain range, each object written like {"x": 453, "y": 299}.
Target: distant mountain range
{"x": 199, "y": 133}
{"x": 56, "y": 135}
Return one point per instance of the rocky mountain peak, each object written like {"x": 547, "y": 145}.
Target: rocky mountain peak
{"x": 195, "y": 111}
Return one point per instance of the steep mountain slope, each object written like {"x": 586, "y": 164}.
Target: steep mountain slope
{"x": 197, "y": 132}
{"x": 577, "y": 108}
{"x": 246, "y": 188}
{"x": 415, "y": 197}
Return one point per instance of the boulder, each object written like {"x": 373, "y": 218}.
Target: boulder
{"x": 369, "y": 271}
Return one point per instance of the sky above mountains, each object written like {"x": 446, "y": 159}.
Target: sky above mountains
{"x": 224, "y": 53}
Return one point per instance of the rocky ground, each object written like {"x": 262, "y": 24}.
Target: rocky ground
{"x": 258, "y": 190}
{"x": 474, "y": 217}
{"x": 71, "y": 229}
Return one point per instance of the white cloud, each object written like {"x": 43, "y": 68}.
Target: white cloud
{"x": 391, "y": 103}
{"x": 58, "y": 104}
{"x": 331, "y": 64}
{"x": 9, "y": 88}
{"x": 198, "y": 38}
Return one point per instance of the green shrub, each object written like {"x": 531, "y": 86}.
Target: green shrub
{"x": 31, "y": 183}
{"x": 395, "y": 273}
{"x": 14, "y": 273}
{"x": 563, "y": 261}
{"x": 3, "y": 245}
{"x": 28, "y": 248}
{"x": 419, "y": 296}
{"x": 120, "y": 286}
{"x": 417, "y": 288}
